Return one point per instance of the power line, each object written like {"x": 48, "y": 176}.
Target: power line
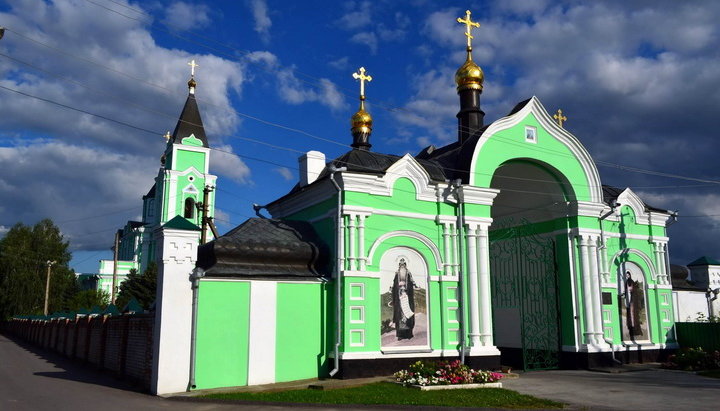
{"x": 224, "y": 151}
{"x": 497, "y": 138}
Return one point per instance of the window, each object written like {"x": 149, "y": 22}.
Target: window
{"x": 189, "y": 208}
{"x": 530, "y": 134}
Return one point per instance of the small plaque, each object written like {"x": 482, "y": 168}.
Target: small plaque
{"x": 607, "y": 298}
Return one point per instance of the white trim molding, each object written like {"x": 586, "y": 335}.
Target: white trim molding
{"x": 551, "y": 127}
{"x": 412, "y": 234}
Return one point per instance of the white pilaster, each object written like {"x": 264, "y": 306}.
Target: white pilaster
{"x": 659, "y": 249}
{"x": 361, "y": 242}
{"x": 447, "y": 251}
{"x": 595, "y": 282}
{"x": 486, "y": 335}
{"x": 261, "y": 347}
{"x": 473, "y": 291}
{"x": 352, "y": 233}
{"x": 176, "y": 256}
{"x": 586, "y": 291}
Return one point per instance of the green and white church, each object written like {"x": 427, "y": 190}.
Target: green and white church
{"x": 178, "y": 191}
{"x": 502, "y": 247}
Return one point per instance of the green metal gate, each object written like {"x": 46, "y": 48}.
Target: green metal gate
{"x": 524, "y": 295}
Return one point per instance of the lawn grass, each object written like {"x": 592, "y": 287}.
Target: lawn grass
{"x": 383, "y": 393}
{"x": 710, "y": 373}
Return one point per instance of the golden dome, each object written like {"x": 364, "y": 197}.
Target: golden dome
{"x": 469, "y": 76}
{"x": 192, "y": 83}
{"x": 361, "y": 127}
{"x": 362, "y": 120}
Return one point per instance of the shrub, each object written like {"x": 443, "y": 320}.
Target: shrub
{"x": 693, "y": 359}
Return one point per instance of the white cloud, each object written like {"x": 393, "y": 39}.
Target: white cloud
{"x": 85, "y": 165}
{"x": 285, "y": 173}
{"x": 357, "y": 15}
{"x": 367, "y": 38}
{"x": 186, "y": 16}
{"x": 292, "y": 90}
{"x": 74, "y": 183}
{"x": 225, "y": 162}
{"x": 341, "y": 64}
{"x": 262, "y": 20}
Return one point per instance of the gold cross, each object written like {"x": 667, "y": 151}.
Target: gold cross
{"x": 360, "y": 75}
{"x": 167, "y": 136}
{"x": 469, "y": 24}
{"x": 192, "y": 67}
{"x": 560, "y": 118}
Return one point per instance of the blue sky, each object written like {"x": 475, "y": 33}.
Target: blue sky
{"x": 639, "y": 82}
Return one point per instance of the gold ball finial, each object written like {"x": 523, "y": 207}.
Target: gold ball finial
{"x": 469, "y": 76}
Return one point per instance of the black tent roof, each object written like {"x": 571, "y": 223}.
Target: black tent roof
{"x": 190, "y": 122}
{"x": 262, "y": 247}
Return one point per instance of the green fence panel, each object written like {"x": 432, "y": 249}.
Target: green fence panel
{"x": 704, "y": 335}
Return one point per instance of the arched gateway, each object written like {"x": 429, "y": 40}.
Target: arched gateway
{"x": 502, "y": 247}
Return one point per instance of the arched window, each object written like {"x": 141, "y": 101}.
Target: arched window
{"x": 189, "y": 207}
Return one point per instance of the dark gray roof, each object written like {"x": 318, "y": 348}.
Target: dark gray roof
{"x": 678, "y": 277}
{"x": 150, "y": 193}
{"x": 370, "y": 162}
{"x": 611, "y": 193}
{"x": 190, "y": 122}
{"x": 263, "y": 247}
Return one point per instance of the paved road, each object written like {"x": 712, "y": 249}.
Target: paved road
{"x": 640, "y": 390}
{"x": 32, "y": 379}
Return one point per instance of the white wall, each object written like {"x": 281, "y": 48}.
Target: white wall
{"x": 688, "y": 304}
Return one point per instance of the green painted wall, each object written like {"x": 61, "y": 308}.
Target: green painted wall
{"x": 185, "y": 159}
{"x": 222, "y": 334}
{"x": 510, "y": 144}
{"x": 303, "y": 328}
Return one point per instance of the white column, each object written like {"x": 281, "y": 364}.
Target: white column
{"x": 586, "y": 290}
{"x": 603, "y": 264}
{"x": 473, "y": 291}
{"x": 447, "y": 265}
{"x": 595, "y": 282}
{"x": 176, "y": 256}
{"x": 352, "y": 232}
{"x": 486, "y": 335}
{"x": 361, "y": 242}
{"x": 666, "y": 264}
{"x": 262, "y": 332}
{"x": 662, "y": 273}
{"x": 341, "y": 245}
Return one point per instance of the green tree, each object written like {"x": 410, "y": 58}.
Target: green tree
{"x": 24, "y": 253}
{"x": 87, "y": 299}
{"x": 140, "y": 286}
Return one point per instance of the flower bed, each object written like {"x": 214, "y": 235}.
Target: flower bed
{"x": 443, "y": 373}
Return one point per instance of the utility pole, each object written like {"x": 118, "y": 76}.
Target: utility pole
{"x": 205, "y": 220}
{"x": 47, "y": 286}
{"x": 115, "y": 263}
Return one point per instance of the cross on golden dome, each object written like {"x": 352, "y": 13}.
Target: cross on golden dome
{"x": 360, "y": 75}
{"x": 192, "y": 65}
{"x": 469, "y": 24}
{"x": 559, "y": 117}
